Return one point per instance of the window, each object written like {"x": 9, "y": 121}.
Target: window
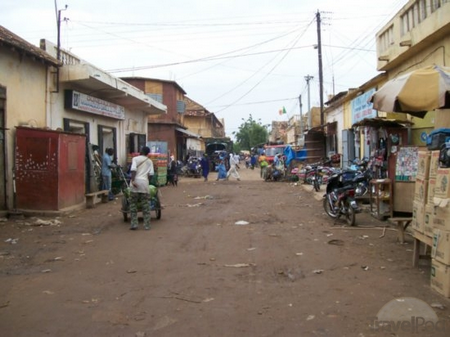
{"x": 181, "y": 107}
{"x": 435, "y": 4}
{"x": 156, "y": 97}
{"x": 71, "y": 125}
{"x": 136, "y": 141}
{"x": 386, "y": 39}
{"x": 422, "y": 10}
{"x": 106, "y": 138}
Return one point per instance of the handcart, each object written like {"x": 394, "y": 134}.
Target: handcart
{"x": 155, "y": 202}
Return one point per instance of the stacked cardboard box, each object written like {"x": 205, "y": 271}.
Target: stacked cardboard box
{"x": 421, "y": 191}
{"x": 440, "y": 268}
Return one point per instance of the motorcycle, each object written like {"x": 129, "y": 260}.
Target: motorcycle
{"x": 339, "y": 199}
{"x": 193, "y": 168}
{"x": 360, "y": 168}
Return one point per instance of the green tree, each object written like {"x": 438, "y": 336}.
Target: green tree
{"x": 250, "y": 134}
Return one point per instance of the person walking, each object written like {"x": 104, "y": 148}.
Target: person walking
{"x": 107, "y": 165}
{"x": 141, "y": 173}
{"x": 253, "y": 161}
{"x": 263, "y": 164}
{"x": 204, "y": 163}
{"x": 233, "y": 168}
{"x": 222, "y": 171}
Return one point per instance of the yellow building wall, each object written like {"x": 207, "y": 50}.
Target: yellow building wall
{"x": 25, "y": 81}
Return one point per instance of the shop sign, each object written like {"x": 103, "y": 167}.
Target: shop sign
{"x": 79, "y": 101}
{"x": 362, "y": 108}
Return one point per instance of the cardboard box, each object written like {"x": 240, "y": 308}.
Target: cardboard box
{"x": 423, "y": 165}
{"x": 428, "y": 220}
{"x": 418, "y": 216}
{"x": 421, "y": 190}
{"x": 434, "y": 163}
{"x": 440, "y": 249}
{"x": 440, "y": 278}
{"x": 443, "y": 204}
{"x": 441, "y": 219}
{"x": 430, "y": 192}
{"x": 442, "y": 188}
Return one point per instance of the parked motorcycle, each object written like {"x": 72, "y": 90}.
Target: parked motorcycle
{"x": 359, "y": 168}
{"x": 193, "y": 168}
{"x": 339, "y": 199}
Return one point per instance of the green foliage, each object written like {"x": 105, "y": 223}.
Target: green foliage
{"x": 250, "y": 134}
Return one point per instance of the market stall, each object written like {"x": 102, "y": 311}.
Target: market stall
{"x": 383, "y": 139}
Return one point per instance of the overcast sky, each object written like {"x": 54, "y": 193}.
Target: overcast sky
{"x": 235, "y": 57}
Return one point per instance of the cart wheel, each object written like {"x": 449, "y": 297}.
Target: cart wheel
{"x": 125, "y": 208}
{"x": 158, "y": 208}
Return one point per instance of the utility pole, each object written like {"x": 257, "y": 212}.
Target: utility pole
{"x": 308, "y": 78}
{"x": 319, "y": 52}
{"x": 58, "y": 51}
{"x": 301, "y": 119}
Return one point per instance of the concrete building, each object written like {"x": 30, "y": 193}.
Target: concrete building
{"x": 166, "y": 128}
{"x": 67, "y": 97}
{"x": 416, "y": 37}
{"x": 24, "y": 79}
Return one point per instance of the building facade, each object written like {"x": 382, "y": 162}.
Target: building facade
{"x": 24, "y": 79}
{"x": 416, "y": 37}
{"x": 167, "y": 128}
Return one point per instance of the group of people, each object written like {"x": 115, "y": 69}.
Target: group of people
{"x": 222, "y": 173}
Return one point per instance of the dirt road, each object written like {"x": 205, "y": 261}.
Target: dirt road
{"x": 290, "y": 271}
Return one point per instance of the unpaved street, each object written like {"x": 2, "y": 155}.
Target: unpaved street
{"x": 290, "y": 271}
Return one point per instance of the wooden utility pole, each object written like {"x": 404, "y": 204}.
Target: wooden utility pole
{"x": 309, "y": 78}
{"x": 319, "y": 52}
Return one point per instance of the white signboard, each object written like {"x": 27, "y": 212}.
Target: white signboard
{"x": 79, "y": 101}
{"x": 362, "y": 108}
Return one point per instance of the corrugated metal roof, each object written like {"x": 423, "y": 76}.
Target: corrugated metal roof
{"x": 8, "y": 38}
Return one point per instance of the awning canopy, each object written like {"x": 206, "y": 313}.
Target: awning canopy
{"x": 95, "y": 82}
{"x": 188, "y": 133}
{"x": 383, "y": 122}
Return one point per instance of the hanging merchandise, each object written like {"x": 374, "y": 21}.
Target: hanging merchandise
{"x": 374, "y": 136}
{"x": 357, "y": 135}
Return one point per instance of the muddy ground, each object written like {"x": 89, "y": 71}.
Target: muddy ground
{"x": 291, "y": 271}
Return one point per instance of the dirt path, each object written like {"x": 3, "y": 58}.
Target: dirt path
{"x": 290, "y": 271}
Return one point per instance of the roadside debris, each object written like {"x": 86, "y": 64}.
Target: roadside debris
{"x": 241, "y": 223}
{"x": 240, "y": 265}
{"x": 336, "y": 242}
{"x": 12, "y": 241}
{"x": 365, "y": 267}
{"x": 194, "y": 205}
{"x": 318, "y": 271}
{"x": 438, "y": 306}
{"x": 205, "y": 197}
{"x": 40, "y": 222}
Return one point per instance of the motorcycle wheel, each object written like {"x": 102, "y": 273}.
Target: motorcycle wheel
{"x": 350, "y": 216}
{"x": 316, "y": 185}
{"x": 330, "y": 212}
{"x": 309, "y": 178}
